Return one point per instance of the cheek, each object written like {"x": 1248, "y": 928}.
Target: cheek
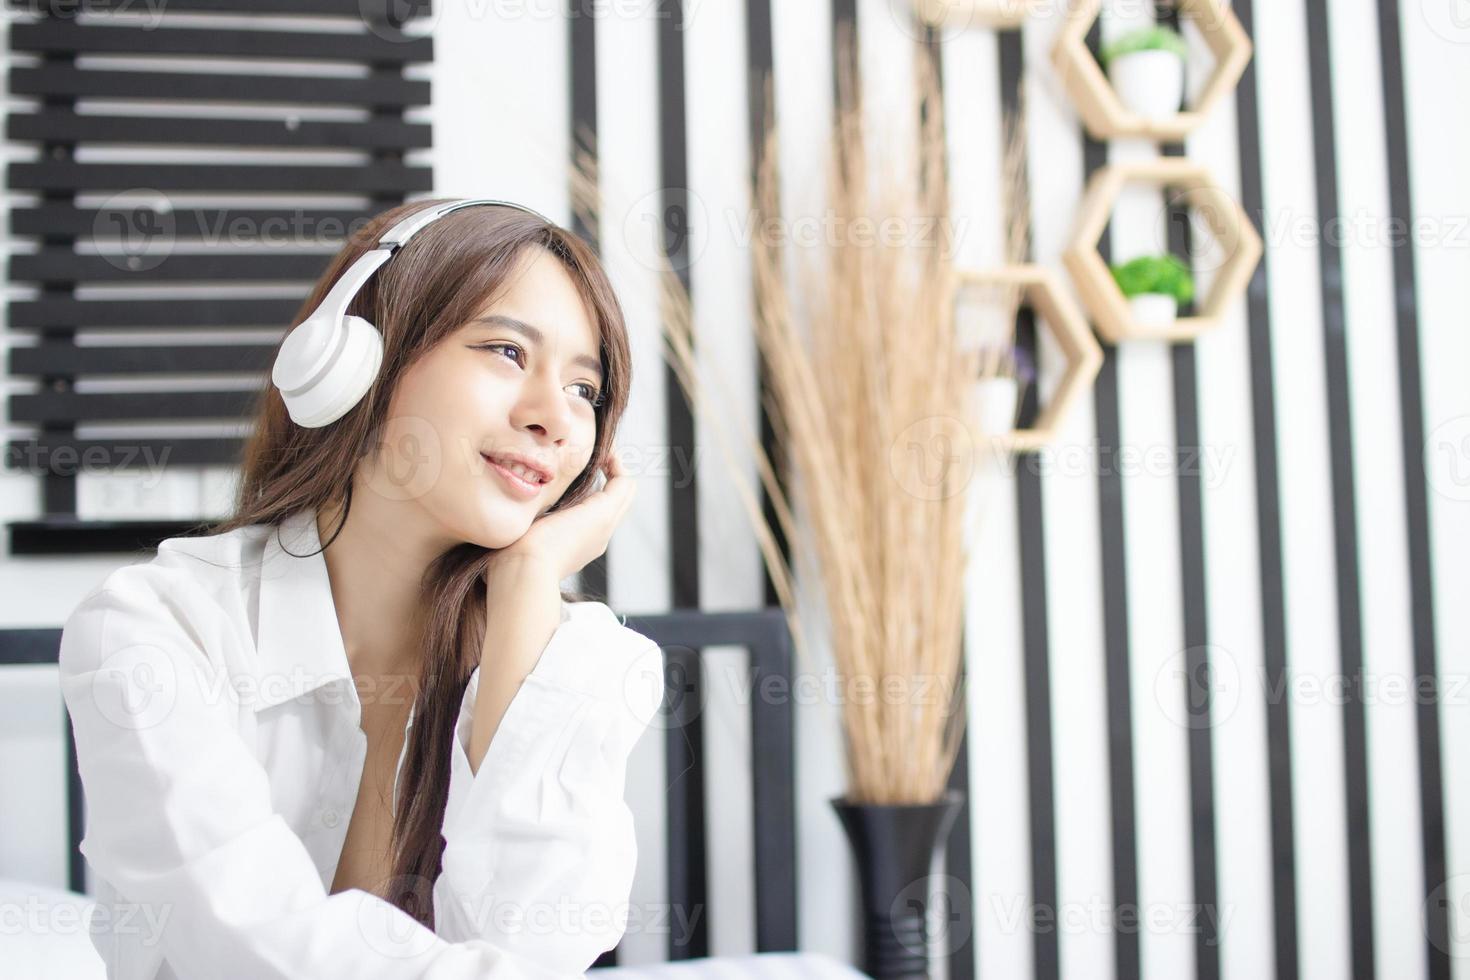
{"x": 465, "y": 404}
{"x": 466, "y": 390}
{"x": 432, "y": 431}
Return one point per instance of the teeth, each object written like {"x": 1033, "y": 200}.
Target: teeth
{"x": 529, "y": 475}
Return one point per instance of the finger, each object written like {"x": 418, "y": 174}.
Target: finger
{"x": 619, "y": 491}
{"x": 621, "y": 502}
{"x": 617, "y": 473}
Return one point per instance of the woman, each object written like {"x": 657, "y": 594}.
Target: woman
{"x": 356, "y": 730}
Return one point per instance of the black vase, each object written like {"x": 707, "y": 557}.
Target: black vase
{"x": 894, "y": 845}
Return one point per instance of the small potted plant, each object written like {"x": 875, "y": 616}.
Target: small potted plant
{"x": 1156, "y": 286}
{"x": 1001, "y": 376}
{"x": 1146, "y": 67}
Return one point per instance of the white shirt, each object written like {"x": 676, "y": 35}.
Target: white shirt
{"x": 218, "y": 735}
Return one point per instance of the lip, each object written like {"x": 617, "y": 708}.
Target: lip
{"x": 529, "y": 462}
{"x": 516, "y": 485}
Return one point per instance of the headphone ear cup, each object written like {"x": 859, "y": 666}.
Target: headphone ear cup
{"x": 346, "y": 362}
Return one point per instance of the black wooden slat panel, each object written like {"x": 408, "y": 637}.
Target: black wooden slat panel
{"x": 773, "y": 793}
{"x": 382, "y": 178}
{"x": 1123, "y": 822}
{"x": 76, "y": 813}
{"x": 71, "y": 406}
{"x": 686, "y": 838}
{"x": 582, "y": 68}
{"x": 1427, "y": 662}
{"x": 64, "y": 453}
{"x": 1346, "y": 573}
{"x": 67, "y": 535}
{"x": 207, "y": 224}
{"x": 69, "y": 127}
{"x": 193, "y": 358}
{"x": 29, "y": 646}
{"x": 265, "y": 244}
{"x": 59, "y": 265}
{"x": 360, "y": 10}
{"x": 1270, "y": 560}
{"x": 1199, "y": 659}
{"x": 682, "y": 632}
{"x": 185, "y": 313}
{"x": 686, "y": 845}
{"x": 54, "y": 81}
{"x": 66, "y": 37}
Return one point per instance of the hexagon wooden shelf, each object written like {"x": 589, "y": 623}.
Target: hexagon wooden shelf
{"x": 976, "y": 13}
{"x": 1047, "y": 295}
{"x": 1229, "y": 224}
{"x": 1104, "y": 115}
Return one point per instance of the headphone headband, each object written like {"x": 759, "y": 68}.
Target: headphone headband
{"x": 405, "y": 229}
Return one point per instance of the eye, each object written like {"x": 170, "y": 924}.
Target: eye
{"x": 503, "y": 346}
{"x": 593, "y": 395}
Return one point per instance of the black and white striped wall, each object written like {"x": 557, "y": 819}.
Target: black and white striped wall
{"x": 1166, "y": 777}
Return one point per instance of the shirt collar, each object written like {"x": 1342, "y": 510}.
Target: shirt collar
{"x": 298, "y": 638}
{"x": 299, "y": 641}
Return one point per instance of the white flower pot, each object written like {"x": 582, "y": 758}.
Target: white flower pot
{"x": 996, "y": 404}
{"x": 1149, "y": 83}
{"x": 1158, "y": 310}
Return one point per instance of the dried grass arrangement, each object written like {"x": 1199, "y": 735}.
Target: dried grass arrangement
{"x": 871, "y": 402}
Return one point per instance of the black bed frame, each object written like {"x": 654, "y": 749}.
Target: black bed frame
{"x": 682, "y": 635}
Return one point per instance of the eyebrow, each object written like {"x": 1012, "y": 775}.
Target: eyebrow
{"x": 537, "y": 337}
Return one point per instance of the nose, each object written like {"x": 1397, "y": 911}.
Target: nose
{"x": 542, "y": 408}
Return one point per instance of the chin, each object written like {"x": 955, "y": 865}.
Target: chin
{"x": 491, "y": 541}
{"x": 501, "y": 527}
{"x": 482, "y": 522}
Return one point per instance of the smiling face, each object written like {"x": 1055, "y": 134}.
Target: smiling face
{"x": 520, "y": 378}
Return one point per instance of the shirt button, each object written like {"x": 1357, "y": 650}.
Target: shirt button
{"x": 331, "y": 818}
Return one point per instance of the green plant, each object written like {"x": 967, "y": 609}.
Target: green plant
{"x": 1145, "y": 39}
{"x": 1155, "y": 274}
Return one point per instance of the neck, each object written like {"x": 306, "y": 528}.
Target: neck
{"x": 376, "y": 563}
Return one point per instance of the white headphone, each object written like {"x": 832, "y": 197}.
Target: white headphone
{"x": 330, "y": 359}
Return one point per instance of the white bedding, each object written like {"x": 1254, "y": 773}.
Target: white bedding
{"x": 43, "y": 935}
{"x": 766, "y": 966}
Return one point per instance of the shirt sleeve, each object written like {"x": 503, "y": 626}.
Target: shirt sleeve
{"x": 179, "y": 819}
{"x": 539, "y": 842}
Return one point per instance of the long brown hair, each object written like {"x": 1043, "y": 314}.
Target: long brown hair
{"x": 440, "y": 280}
